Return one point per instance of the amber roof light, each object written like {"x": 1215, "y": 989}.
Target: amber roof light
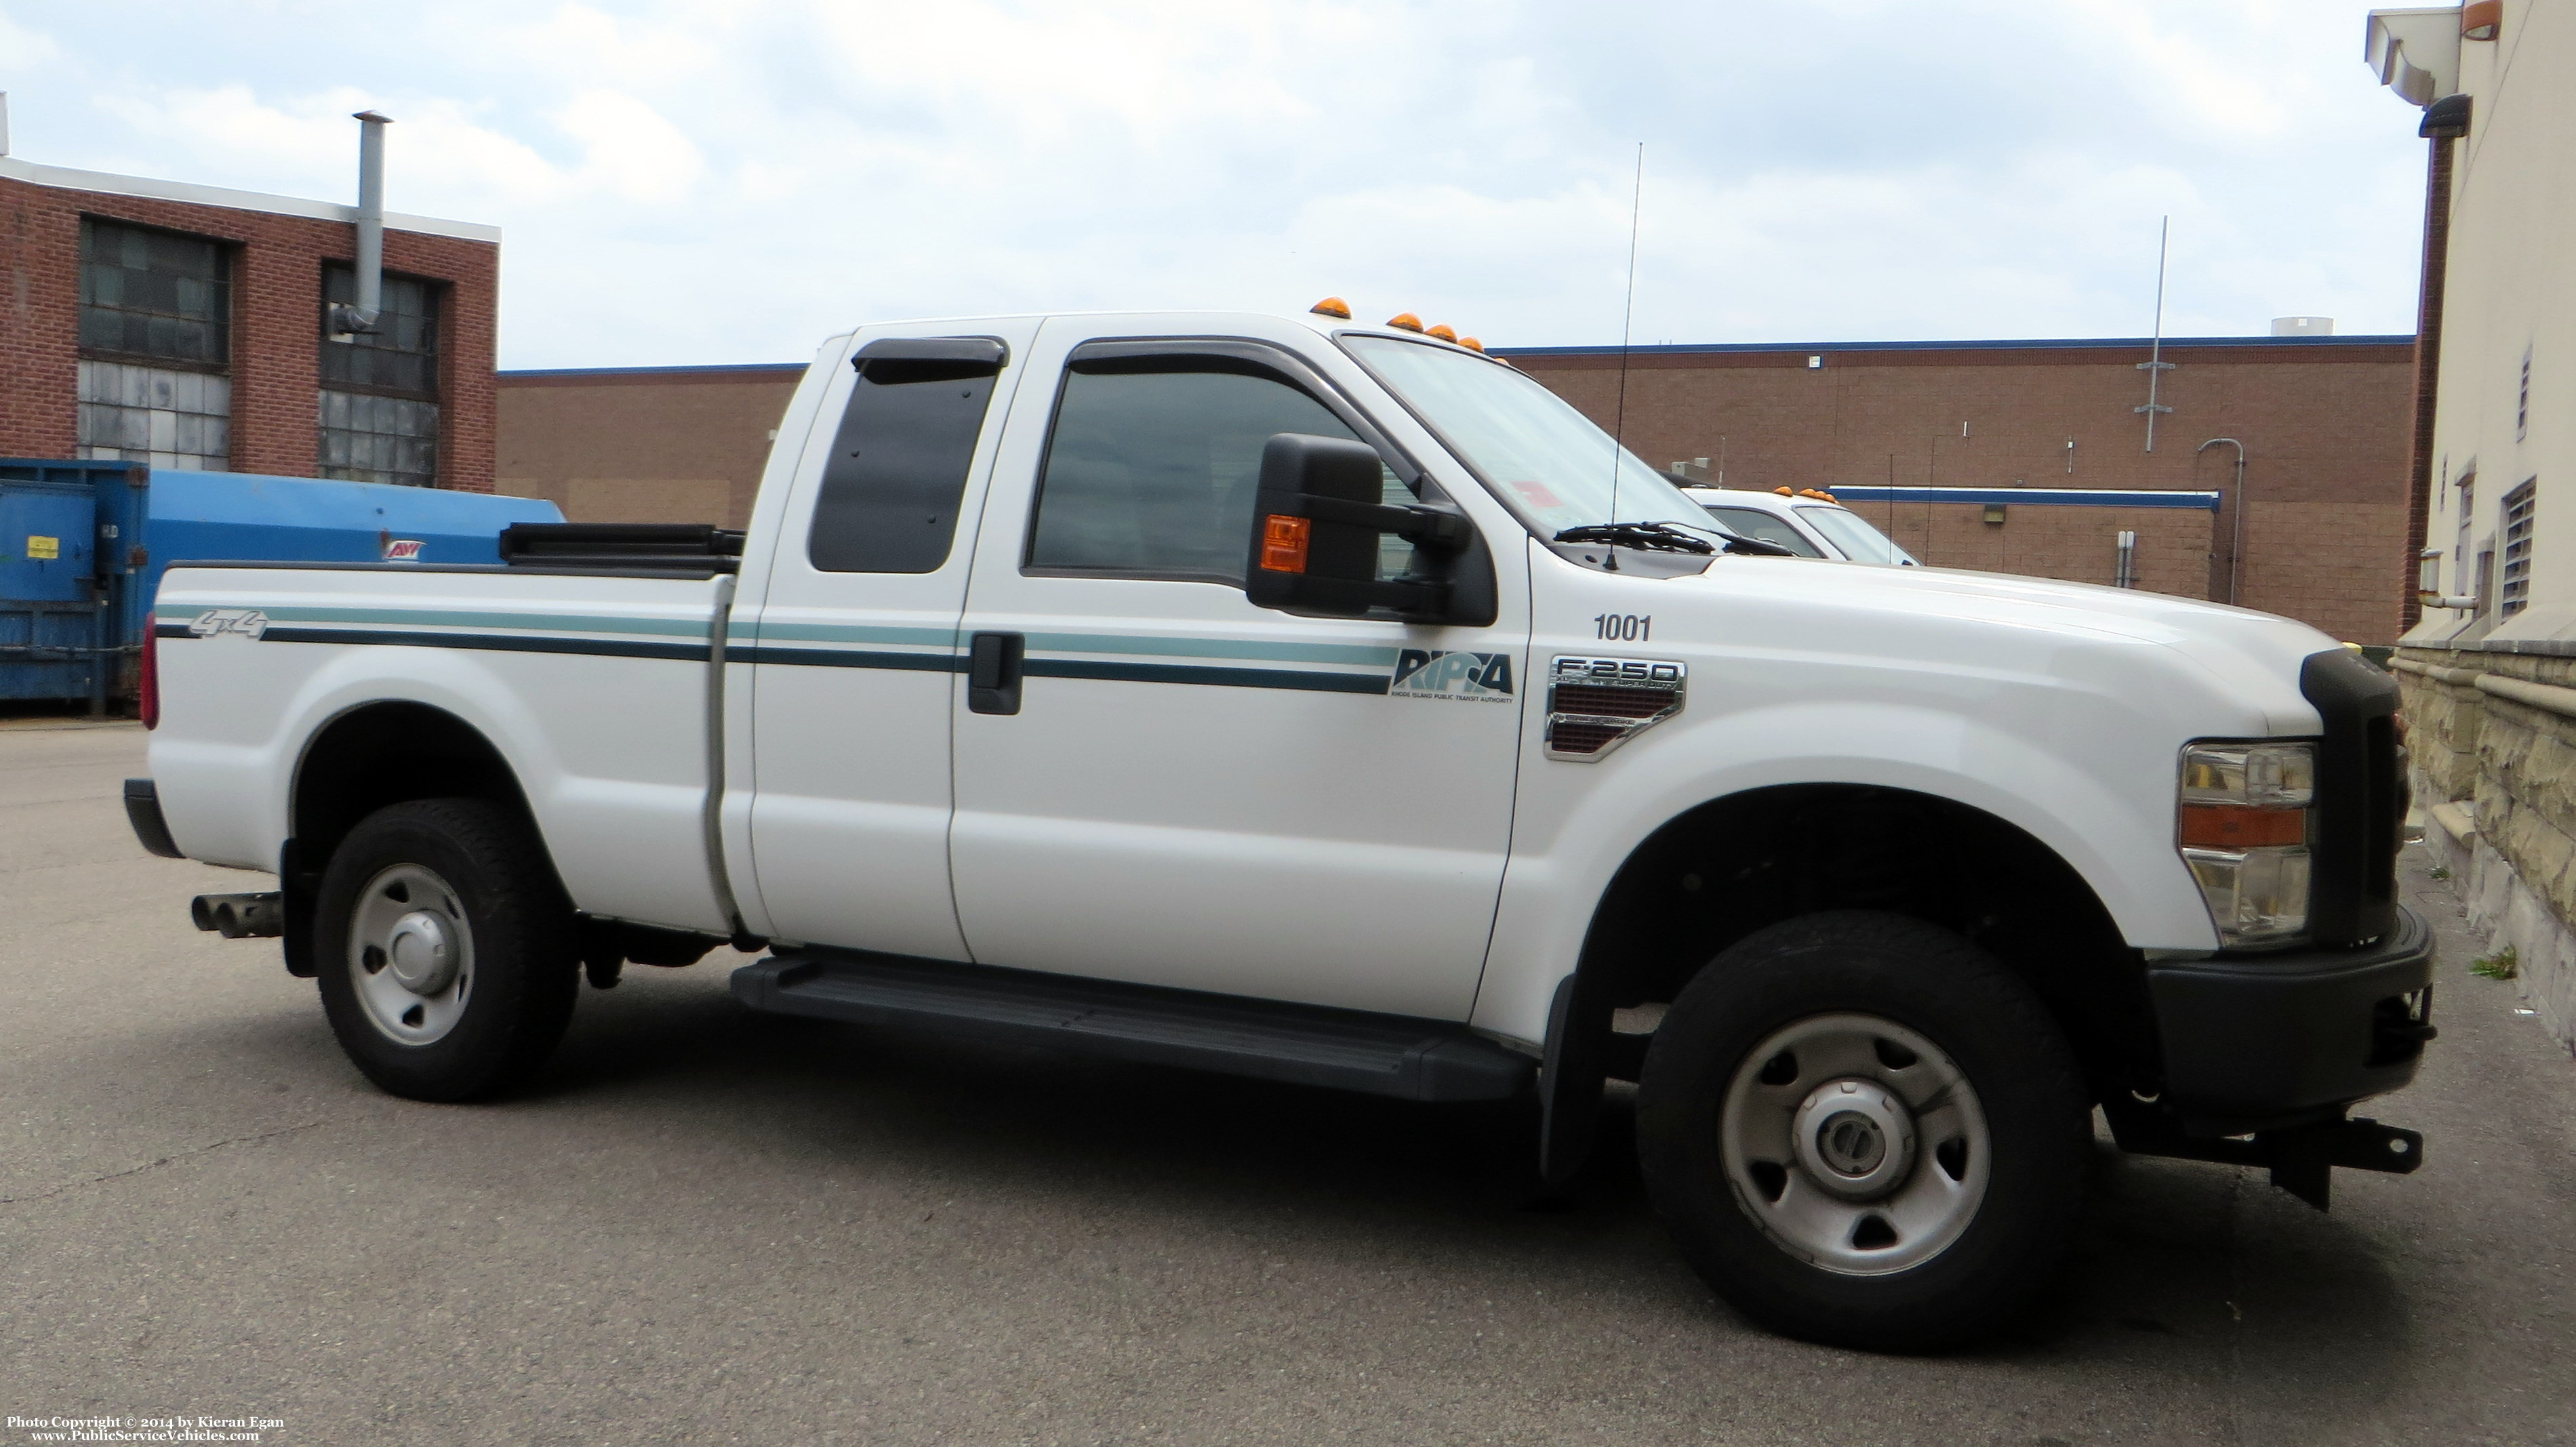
{"x": 1471, "y": 344}
{"x": 1442, "y": 331}
{"x": 1332, "y": 306}
{"x": 1405, "y": 322}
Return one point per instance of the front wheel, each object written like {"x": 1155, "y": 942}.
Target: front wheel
{"x": 1864, "y": 1130}
{"x": 445, "y": 950}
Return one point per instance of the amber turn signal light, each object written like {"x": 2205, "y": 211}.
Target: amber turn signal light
{"x": 1332, "y": 306}
{"x": 1405, "y": 322}
{"x": 2235, "y": 826}
{"x": 1283, "y": 543}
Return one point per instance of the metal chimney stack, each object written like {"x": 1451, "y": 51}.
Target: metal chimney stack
{"x": 361, "y": 316}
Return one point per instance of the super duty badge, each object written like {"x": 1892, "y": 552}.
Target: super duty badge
{"x": 1596, "y": 704}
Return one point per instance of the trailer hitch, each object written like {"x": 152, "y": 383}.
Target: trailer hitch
{"x": 2301, "y": 1158}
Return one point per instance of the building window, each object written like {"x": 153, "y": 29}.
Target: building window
{"x": 155, "y": 336}
{"x": 2460, "y": 547}
{"x": 2522, "y": 401}
{"x": 378, "y": 410}
{"x": 2516, "y": 523}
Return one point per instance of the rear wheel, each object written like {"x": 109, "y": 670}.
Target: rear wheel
{"x": 446, "y": 951}
{"x": 1864, "y": 1130}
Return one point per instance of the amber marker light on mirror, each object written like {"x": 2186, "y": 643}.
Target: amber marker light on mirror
{"x": 1332, "y": 306}
{"x": 1283, "y": 544}
{"x": 1405, "y": 322}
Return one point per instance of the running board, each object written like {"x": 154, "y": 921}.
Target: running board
{"x": 1393, "y": 1055}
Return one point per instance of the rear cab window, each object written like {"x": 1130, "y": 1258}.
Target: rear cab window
{"x": 897, "y": 473}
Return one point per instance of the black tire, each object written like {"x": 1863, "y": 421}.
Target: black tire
{"x": 1817, "y": 973}
{"x": 501, "y": 914}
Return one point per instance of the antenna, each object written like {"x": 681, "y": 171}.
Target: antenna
{"x": 1619, "y": 421}
{"x": 2155, "y": 366}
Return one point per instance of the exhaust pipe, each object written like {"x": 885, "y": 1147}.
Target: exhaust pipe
{"x": 240, "y": 916}
{"x": 349, "y": 319}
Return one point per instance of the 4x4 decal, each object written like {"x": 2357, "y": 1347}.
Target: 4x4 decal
{"x": 1459, "y": 677}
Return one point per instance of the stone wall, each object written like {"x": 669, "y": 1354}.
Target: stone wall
{"x": 2493, "y": 738}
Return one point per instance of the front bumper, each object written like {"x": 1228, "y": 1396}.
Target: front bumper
{"x": 2259, "y": 1040}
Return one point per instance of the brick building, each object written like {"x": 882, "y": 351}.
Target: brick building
{"x": 642, "y": 444}
{"x": 2323, "y": 421}
{"x": 182, "y": 325}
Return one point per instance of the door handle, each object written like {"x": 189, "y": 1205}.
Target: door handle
{"x": 993, "y": 669}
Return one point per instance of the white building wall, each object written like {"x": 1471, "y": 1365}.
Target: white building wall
{"x": 2511, "y": 294}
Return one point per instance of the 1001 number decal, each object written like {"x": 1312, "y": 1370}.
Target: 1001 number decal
{"x": 1625, "y": 627}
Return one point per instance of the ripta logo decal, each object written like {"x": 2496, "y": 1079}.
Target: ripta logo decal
{"x": 402, "y": 550}
{"x": 1459, "y": 677}
{"x": 240, "y": 622}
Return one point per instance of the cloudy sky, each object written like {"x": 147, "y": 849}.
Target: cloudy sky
{"x": 729, "y": 180}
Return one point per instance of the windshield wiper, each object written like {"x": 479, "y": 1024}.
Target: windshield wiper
{"x": 1669, "y": 537}
{"x": 1653, "y": 537}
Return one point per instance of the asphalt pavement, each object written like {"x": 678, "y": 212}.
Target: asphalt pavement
{"x": 704, "y": 1225}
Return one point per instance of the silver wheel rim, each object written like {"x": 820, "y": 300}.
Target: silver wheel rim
{"x": 1856, "y": 1144}
{"x": 410, "y": 956}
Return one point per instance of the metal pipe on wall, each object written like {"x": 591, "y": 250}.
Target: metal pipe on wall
{"x": 2127, "y": 576}
{"x": 2236, "y": 501}
{"x": 360, "y": 315}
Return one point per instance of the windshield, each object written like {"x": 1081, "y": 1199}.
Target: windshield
{"x": 1852, "y": 533}
{"x": 1548, "y": 461}
{"x": 1751, "y": 522}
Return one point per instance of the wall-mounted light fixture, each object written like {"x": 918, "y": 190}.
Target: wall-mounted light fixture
{"x": 2480, "y": 19}
{"x": 1995, "y": 513}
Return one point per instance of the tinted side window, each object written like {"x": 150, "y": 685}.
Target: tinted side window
{"x": 1153, "y": 472}
{"x": 898, "y": 468}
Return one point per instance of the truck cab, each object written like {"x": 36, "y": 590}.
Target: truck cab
{"x": 1334, "y": 704}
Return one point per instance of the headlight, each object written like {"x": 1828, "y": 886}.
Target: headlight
{"x": 2242, "y": 824}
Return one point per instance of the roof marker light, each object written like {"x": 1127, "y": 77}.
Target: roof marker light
{"x": 1332, "y": 306}
{"x": 1442, "y": 331}
{"x": 1471, "y": 344}
{"x": 1405, "y": 322}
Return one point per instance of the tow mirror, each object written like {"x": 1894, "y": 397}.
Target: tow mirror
{"x": 1316, "y": 522}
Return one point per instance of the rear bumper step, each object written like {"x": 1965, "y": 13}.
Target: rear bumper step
{"x": 1393, "y": 1055}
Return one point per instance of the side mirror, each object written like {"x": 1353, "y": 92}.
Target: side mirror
{"x": 1316, "y": 522}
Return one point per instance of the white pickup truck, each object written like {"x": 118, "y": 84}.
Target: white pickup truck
{"x": 1334, "y": 704}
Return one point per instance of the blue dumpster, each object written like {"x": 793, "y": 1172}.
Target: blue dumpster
{"x": 83, "y": 546}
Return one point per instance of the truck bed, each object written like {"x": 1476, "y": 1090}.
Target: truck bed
{"x": 594, "y": 683}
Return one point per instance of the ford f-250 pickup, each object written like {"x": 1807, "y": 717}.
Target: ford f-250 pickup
{"x": 1334, "y": 704}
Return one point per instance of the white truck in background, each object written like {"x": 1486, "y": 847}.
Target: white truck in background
{"x": 1810, "y": 524}
{"x": 1334, "y": 704}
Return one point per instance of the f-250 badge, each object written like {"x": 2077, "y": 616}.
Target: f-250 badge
{"x": 240, "y": 622}
{"x": 1458, "y": 677}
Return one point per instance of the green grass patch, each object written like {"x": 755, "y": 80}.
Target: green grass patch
{"x": 2504, "y": 964}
